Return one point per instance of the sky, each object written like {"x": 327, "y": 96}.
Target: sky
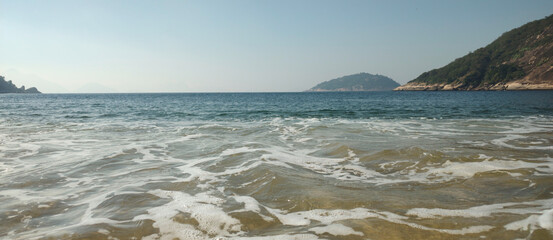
{"x": 240, "y": 45}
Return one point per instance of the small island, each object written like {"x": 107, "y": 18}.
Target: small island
{"x": 521, "y": 59}
{"x": 356, "y": 82}
{"x": 9, "y": 87}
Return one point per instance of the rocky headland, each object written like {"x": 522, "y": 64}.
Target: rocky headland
{"x": 9, "y": 87}
{"x": 521, "y": 59}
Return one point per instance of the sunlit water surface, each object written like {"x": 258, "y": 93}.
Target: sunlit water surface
{"x": 390, "y": 165}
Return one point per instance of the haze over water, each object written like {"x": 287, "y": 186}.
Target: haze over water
{"x": 377, "y": 165}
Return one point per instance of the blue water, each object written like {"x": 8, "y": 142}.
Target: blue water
{"x": 255, "y": 106}
{"x": 361, "y": 165}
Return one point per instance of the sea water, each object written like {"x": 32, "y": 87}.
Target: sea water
{"x": 370, "y": 165}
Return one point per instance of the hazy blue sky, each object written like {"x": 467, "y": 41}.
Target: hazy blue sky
{"x": 220, "y": 46}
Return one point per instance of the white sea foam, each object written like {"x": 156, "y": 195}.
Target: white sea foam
{"x": 190, "y": 137}
{"x": 469, "y": 169}
{"x": 84, "y": 166}
{"x": 546, "y": 219}
{"x": 504, "y": 142}
{"x": 250, "y": 204}
{"x": 350, "y": 169}
{"x": 279, "y": 237}
{"x": 204, "y": 208}
{"x": 336, "y": 230}
{"x": 25, "y": 196}
{"x": 523, "y": 225}
{"x": 484, "y": 210}
{"x": 328, "y": 217}
{"x": 232, "y": 151}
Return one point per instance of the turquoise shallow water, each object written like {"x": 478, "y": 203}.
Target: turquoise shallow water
{"x": 376, "y": 165}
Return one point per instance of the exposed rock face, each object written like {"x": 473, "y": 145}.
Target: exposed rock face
{"x": 356, "y": 83}
{"x": 513, "y": 85}
{"x": 521, "y": 59}
{"x": 9, "y": 87}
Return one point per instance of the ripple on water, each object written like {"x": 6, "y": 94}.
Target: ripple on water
{"x": 280, "y": 178}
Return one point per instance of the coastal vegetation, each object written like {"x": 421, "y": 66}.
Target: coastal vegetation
{"x": 356, "y": 82}
{"x": 519, "y": 59}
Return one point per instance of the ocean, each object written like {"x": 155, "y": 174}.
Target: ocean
{"x": 350, "y": 165}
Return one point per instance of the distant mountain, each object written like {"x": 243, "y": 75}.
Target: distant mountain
{"x": 9, "y": 87}
{"x": 356, "y": 82}
{"x": 521, "y": 59}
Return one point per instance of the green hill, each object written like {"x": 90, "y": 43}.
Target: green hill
{"x": 518, "y": 60}
{"x": 356, "y": 82}
{"x": 9, "y": 87}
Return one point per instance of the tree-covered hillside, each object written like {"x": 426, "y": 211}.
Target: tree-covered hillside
{"x": 358, "y": 82}
{"x": 524, "y": 53}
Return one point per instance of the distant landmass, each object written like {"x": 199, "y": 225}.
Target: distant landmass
{"x": 9, "y": 87}
{"x": 521, "y": 59}
{"x": 356, "y": 82}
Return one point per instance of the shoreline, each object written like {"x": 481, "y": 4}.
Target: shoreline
{"x": 510, "y": 86}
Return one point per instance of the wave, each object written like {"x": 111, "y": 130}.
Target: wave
{"x": 276, "y": 178}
